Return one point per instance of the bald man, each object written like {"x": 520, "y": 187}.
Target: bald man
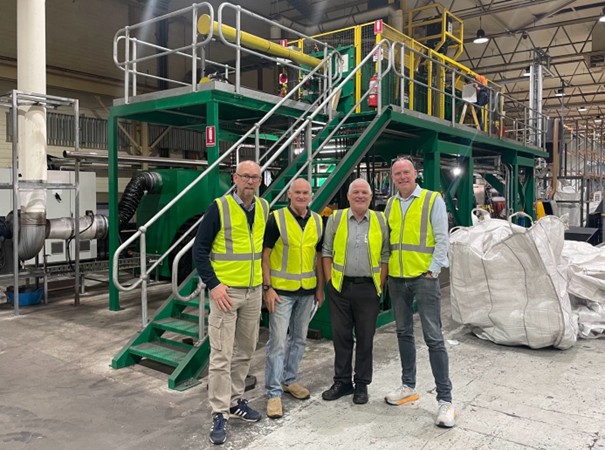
{"x": 355, "y": 256}
{"x": 292, "y": 282}
{"x": 227, "y": 253}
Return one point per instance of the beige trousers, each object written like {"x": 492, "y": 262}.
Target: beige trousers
{"x": 233, "y": 338}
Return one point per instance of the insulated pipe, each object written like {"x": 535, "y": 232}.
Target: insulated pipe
{"x": 31, "y": 77}
{"x": 137, "y": 187}
{"x": 256, "y": 43}
{"x": 91, "y": 227}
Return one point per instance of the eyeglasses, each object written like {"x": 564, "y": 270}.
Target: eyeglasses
{"x": 247, "y": 178}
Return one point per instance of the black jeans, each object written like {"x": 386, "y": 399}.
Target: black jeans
{"x": 356, "y": 307}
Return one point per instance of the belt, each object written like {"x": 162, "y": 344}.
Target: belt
{"x": 358, "y": 280}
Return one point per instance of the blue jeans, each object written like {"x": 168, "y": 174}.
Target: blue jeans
{"x": 427, "y": 293}
{"x": 285, "y": 349}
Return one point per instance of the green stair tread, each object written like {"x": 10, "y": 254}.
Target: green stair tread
{"x": 175, "y": 325}
{"x": 193, "y": 303}
{"x": 171, "y": 356}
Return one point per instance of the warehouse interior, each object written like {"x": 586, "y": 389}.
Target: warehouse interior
{"x": 104, "y": 343}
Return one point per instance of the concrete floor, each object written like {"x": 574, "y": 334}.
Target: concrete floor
{"x": 59, "y": 392}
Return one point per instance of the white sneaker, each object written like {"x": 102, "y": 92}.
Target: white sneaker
{"x": 446, "y": 416}
{"x": 403, "y": 394}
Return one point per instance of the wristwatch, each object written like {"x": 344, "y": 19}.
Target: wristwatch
{"x": 266, "y": 287}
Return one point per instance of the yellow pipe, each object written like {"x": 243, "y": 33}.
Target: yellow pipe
{"x": 257, "y": 43}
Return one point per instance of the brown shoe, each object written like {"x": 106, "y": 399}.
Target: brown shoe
{"x": 296, "y": 391}
{"x": 274, "y": 409}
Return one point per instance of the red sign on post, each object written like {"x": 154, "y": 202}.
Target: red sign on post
{"x": 210, "y": 136}
{"x": 283, "y": 42}
{"x": 378, "y": 27}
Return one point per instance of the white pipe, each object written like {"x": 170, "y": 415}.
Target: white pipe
{"x": 31, "y": 77}
{"x": 355, "y": 19}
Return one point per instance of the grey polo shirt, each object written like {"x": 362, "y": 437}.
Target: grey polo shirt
{"x": 358, "y": 263}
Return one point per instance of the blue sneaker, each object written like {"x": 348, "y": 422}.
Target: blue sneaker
{"x": 244, "y": 412}
{"x": 218, "y": 432}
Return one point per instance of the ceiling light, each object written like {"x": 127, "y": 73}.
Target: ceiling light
{"x": 527, "y": 72}
{"x": 582, "y": 109}
{"x": 480, "y": 39}
{"x": 598, "y": 119}
{"x": 602, "y": 19}
{"x": 560, "y": 92}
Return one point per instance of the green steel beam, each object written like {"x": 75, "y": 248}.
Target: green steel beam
{"x": 350, "y": 160}
{"x": 454, "y": 149}
{"x": 496, "y": 183}
{"x": 188, "y": 372}
{"x": 213, "y": 153}
{"x": 449, "y": 200}
{"x": 447, "y": 132}
{"x": 466, "y": 194}
{"x": 112, "y": 180}
{"x": 431, "y": 162}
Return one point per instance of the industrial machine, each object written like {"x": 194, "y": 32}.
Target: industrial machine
{"x": 359, "y": 98}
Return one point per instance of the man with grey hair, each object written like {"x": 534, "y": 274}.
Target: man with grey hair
{"x": 292, "y": 281}
{"x": 355, "y": 257}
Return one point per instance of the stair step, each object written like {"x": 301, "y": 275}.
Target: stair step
{"x": 171, "y": 356}
{"x": 180, "y": 326}
{"x": 193, "y": 303}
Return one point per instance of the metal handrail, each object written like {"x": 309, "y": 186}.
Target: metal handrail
{"x": 151, "y": 221}
{"x": 238, "y": 10}
{"x": 495, "y": 107}
{"x": 370, "y": 55}
{"x": 129, "y": 65}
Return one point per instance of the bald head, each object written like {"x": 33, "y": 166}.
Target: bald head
{"x": 248, "y": 166}
{"x": 247, "y": 180}
{"x": 404, "y": 175}
{"x": 360, "y": 183}
{"x": 300, "y": 183}
{"x": 300, "y": 196}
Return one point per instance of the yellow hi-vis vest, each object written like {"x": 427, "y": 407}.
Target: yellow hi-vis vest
{"x": 292, "y": 259}
{"x": 237, "y": 250}
{"x": 339, "y": 248}
{"x": 412, "y": 241}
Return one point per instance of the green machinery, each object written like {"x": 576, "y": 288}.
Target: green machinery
{"x": 163, "y": 233}
{"x": 351, "y": 139}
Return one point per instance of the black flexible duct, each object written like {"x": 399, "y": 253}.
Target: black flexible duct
{"x": 5, "y": 232}
{"x": 137, "y": 187}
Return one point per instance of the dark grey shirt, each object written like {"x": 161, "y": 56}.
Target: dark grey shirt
{"x": 358, "y": 262}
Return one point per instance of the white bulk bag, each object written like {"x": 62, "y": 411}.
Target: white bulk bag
{"x": 506, "y": 285}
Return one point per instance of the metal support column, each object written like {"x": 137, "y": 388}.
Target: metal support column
{"x": 112, "y": 180}
{"x": 213, "y": 151}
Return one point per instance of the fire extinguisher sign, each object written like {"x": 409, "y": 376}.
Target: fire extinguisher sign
{"x": 378, "y": 27}
{"x": 210, "y": 136}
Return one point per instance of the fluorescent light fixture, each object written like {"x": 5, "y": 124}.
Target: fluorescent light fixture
{"x": 598, "y": 119}
{"x": 527, "y": 72}
{"x": 602, "y": 19}
{"x": 582, "y": 109}
{"x": 480, "y": 39}
{"x": 560, "y": 92}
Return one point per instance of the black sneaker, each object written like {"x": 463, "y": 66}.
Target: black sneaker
{"x": 360, "y": 397}
{"x": 337, "y": 390}
{"x": 218, "y": 432}
{"x": 244, "y": 412}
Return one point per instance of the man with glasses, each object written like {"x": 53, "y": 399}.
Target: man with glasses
{"x": 293, "y": 280}
{"x": 418, "y": 225}
{"x": 227, "y": 253}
